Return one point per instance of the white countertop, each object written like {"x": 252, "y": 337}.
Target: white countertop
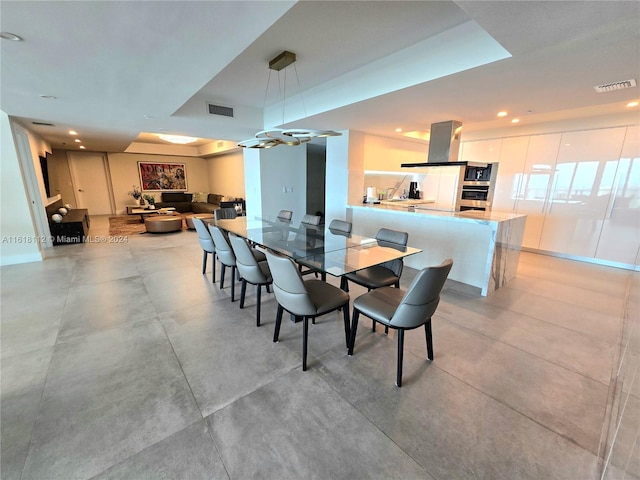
{"x": 424, "y": 209}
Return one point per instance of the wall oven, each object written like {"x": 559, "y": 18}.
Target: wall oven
{"x": 477, "y": 187}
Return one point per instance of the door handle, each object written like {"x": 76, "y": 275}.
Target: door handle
{"x": 80, "y": 190}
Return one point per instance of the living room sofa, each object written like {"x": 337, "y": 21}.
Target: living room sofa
{"x": 194, "y": 202}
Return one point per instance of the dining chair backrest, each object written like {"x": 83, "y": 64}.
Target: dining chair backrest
{"x": 393, "y": 239}
{"x": 308, "y": 229}
{"x": 421, "y": 299}
{"x": 288, "y": 286}
{"x": 340, "y": 226}
{"x": 225, "y": 213}
{"x": 204, "y": 237}
{"x": 223, "y": 249}
{"x": 285, "y": 215}
{"x": 314, "y": 220}
{"x": 245, "y": 260}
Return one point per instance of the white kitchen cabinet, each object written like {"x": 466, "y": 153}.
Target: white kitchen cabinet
{"x": 534, "y": 184}
{"x": 620, "y": 237}
{"x": 581, "y": 186}
{"x": 513, "y": 156}
{"x": 484, "y": 151}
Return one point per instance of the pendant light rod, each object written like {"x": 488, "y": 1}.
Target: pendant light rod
{"x": 291, "y": 136}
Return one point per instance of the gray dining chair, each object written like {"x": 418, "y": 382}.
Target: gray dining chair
{"x": 306, "y": 299}
{"x": 340, "y": 227}
{"x": 251, "y": 270}
{"x": 385, "y": 274}
{"x": 208, "y": 247}
{"x": 402, "y": 310}
{"x": 225, "y": 213}
{"x": 226, "y": 257}
{"x": 285, "y": 216}
{"x": 305, "y": 235}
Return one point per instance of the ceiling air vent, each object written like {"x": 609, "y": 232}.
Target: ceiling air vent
{"x": 609, "y": 87}
{"x": 44, "y": 124}
{"x": 220, "y": 110}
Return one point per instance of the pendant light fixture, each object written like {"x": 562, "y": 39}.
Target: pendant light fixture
{"x": 288, "y": 136}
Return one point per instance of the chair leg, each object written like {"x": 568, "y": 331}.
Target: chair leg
{"x": 345, "y": 316}
{"x": 204, "y": 261}
{"x": 276, "y": 332}
{"x": 243, "y": 291}
{"x": 233, "y": 284}
{"x": 268, "y": 288}
{"x": 427, "y": 331}
{"x": 344, "y": 284}
{"x": 386, "y": 329}
{"x": 258, "y": 295}
{"x": 223, "y": 267}
{"x": 373, "y": 325}
{"x": 354, "y": 328}
{"x": 305, "y": 334}
{"x": 400, "y": 352}
{"x": 213, "y": 268}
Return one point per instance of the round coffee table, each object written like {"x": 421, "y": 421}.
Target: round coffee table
{"x": 189, "y": 219}
{"x": 163, "y": 223}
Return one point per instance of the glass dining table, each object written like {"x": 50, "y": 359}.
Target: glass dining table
{"x": 317, "y": 247}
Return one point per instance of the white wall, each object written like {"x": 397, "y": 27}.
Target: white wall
{"x": 271, "y": 171}
{"x": 386, "y": 154}
{"x": 227, "y": 174}
{"x": 19, "y": 237}
{"x": 123, "y": 168}
{"x": 337, "y": 177}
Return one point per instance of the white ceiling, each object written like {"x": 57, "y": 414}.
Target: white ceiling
{"x": 118, "y": 69}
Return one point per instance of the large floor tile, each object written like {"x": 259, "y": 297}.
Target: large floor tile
{"x": 566, "y": 402}
{"x": 299, "y": 427}
{"x": 588, "y": 355}
{"x": 97, "y": 307}
{"x": 450, "y": 428}
{"x": 186, "y": 287}
{"x": 188, "y": 454}
{"x": 29, "y": 325}
{"x": 107, "y": 397}
{"x": 605, "y": 326}
{"x": 223, "y": 354}
{"x": 22, "y": 382}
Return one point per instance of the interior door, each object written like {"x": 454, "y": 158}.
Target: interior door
{"x": 90, "y": 182}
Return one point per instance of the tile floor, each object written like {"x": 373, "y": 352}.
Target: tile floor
{"x": 122, "y": 361}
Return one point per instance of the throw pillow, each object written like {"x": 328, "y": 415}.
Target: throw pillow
{"x": 214, "y": 199}
{"x": 200, "y": 197}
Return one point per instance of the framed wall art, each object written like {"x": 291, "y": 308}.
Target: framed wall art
{"x": 162, "y": 176}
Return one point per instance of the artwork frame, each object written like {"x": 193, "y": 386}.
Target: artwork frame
{"x": 162, "y": 176}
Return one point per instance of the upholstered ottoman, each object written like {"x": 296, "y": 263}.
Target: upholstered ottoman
{"x": 163, "y": 223}
{"x": 189, "y": 219}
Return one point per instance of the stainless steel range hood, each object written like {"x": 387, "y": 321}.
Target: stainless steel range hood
{"x": 444, "y": 146}
{"x": 444, "y": 142}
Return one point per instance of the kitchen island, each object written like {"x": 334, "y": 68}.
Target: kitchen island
{"x": 484, "y": 246}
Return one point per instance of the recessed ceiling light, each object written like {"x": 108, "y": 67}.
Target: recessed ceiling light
{"x": 632, "y": 104}
{"x": 48, "y": 97}
{"x": 77, "y": 140}
{"x": 515, "y": 120}
{"x": 10, "y": 36}
{"x": 72, "y": 132}
{"x": 179, "y": 139}
{"x": 398, "y": 130}
{"x": 82, "y": 147}
{"x": 502, "y": 114}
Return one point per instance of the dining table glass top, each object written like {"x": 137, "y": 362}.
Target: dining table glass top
{"x": 317, "y": 247}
